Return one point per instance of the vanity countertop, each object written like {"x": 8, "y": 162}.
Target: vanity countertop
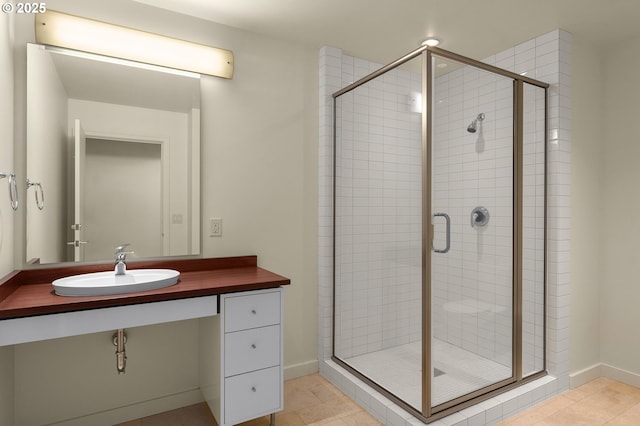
{"x": 30, "y": 292}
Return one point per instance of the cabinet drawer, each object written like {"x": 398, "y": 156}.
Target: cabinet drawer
{"x": 251, "y": 350}
{"x": 251, "y": 395}
{"x": 255, "y": 310}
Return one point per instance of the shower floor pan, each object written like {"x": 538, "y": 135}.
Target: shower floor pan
{"x": 457, "y": 371}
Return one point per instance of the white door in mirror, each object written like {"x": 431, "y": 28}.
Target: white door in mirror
{"x": 108, "y": 283}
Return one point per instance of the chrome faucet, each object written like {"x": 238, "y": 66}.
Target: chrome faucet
{"x": 121, "y": 257}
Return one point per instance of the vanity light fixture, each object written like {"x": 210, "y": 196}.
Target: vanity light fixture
{"x": 120, "y": 61}
{"x": 59, "y": 29}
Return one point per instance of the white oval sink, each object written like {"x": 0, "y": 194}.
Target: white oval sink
{"x": 107, "y": 283}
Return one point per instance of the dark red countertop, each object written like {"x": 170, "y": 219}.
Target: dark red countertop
{"x": 30, "y": 292}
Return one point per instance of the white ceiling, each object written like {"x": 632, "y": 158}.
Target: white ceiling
{"x": 382, "y": 30}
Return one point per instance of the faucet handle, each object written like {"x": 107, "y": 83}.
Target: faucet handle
{"x": 121, "y": 253}
{"x": 121, "y": 248}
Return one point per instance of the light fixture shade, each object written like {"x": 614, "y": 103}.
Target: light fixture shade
{"x": 431, "y": 42}
{"x": 59, "y": 29}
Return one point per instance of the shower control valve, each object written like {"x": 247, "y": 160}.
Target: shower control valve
{"x": 479, "y": 217}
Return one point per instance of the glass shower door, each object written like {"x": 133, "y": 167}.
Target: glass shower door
{"x": 378, "y": 230}
{"x": 472, "y": 213}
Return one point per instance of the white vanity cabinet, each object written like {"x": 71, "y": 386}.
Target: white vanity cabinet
{"x": 241, "y": 356}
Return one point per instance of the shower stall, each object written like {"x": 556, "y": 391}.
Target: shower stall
{"x": 439, "y": 230}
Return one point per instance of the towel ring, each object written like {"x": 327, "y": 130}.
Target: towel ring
{"x": 13, "y": 189}
{"x": 39, "y": 190}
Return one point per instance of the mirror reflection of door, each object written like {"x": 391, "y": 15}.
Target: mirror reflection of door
{"x": 123, "y": 198}
{"x": 79, "y": 167}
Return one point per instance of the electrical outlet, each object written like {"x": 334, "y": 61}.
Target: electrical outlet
{"x": 215, "y": 227}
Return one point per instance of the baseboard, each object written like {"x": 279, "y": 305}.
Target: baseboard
{"x": 603, "y": 370}
{"x": 301, "y": 369}
{"x": 621, "y": 375}
{"x": 137, "y": 410}
{"x": 581, "y": 377}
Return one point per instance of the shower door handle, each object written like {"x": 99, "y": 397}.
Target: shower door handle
{"x": 448, "y": 233}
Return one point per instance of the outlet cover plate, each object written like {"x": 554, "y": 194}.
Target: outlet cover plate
{"x": 215, "y": 227}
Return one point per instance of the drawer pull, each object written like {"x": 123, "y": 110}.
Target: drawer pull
{"x": 253, "y": 311}
{"x": 253, "y": 346}
{"x": 253, "y": 389}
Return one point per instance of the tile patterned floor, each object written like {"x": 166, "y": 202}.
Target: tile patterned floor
{"x": 600, "y": 402}
{"x": 312, "y": 400}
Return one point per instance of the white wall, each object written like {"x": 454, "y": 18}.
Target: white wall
{"x": 619, "y": 209}
{"x": 6, "y": 214}
{"x": 259, "y": 174}
{"x": 604, "y": 267}
{"x": 258, "y": 154}
{"x": 587, "y": 208}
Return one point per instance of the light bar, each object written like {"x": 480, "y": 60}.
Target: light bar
{"x": 72, "y": 32}
{"x": 119, "y": 61}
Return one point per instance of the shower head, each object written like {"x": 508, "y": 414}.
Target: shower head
{"x": 474, "y": 124}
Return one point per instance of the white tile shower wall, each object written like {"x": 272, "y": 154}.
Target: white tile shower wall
{"x": 472, "y": 296}
{"x": 546, "y": 58}
{"x": 378, "y": 212}
{"x": 471, "y": 285}
{"x": 557, "y": 71}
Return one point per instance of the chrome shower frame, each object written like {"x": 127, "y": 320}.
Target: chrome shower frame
{"x": 429, "y": 413}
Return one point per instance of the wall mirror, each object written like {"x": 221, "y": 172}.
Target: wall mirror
{"x": 112, "y": 157}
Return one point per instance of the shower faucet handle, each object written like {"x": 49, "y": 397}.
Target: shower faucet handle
{"x": 479, "y": 217}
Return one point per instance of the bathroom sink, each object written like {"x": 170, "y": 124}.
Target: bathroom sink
{"x": 108, "y": 283}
